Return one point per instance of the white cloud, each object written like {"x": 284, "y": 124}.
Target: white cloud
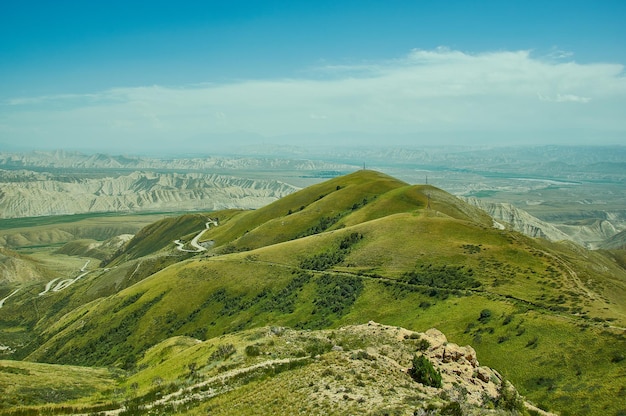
{"x": 565, "y": 98}
{"x": 467, "y": 95}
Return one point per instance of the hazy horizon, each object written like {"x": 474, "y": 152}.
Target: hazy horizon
{"x": 200, "y": 76}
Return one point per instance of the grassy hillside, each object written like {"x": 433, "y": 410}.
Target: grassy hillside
{"x": 46, "y": 386}
{"x": 16, "y": 268}
{"x": 550, "y": 317}
{"x": 310, "y": 211}
{"x": 160, "y": 234}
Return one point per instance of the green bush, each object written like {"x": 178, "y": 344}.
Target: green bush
{"x": 452, "y": 409}
{"x": 485, "y": 316}
{"x": 222, "y": 352}
{"x": 423, "y": 344}
{"x": 508, "y": 398}
{"x": 446, "y": 277}
{"x": 253, "y": 351}
{"x": 424, "y": 372}
{"x": 326, "y": 260}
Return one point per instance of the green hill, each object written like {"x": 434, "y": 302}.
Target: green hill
{"x": 159, "y": 235}
{"x": 549, "y": 317}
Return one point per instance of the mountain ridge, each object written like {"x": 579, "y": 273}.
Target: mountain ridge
{"x": 42, "y": 194}
{"x": 363, "y": 247}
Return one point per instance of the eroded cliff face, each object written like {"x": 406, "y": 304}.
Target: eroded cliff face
{"x": 590, "y": 235}
{"x": 29, "y": 194}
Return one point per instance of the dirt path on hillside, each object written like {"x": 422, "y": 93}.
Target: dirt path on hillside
{"x": 49, "y": 286}
{"x": 64, "y": 284}
{"x": 574, "y": 276}
{"x": 197, "y": 248}
{"x": 3, "y": 300}
{"x": 200, "y": 391}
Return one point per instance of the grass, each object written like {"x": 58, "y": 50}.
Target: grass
{"x": 45, "y": 231}
{"x": 294, "y": 214}
{"x": 546, "y": 329}
{"x": 35, "y": 384}
{"x": 161, "y": 234}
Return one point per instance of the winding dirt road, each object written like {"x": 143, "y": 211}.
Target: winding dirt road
{"x": 64, "y": 284}
{"x": 13, "y": 293}
{"x": 197, "y": 248}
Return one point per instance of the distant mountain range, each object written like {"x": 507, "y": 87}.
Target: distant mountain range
{"x": 29, "y": 194}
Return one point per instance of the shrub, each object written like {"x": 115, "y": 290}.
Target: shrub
{"x": 253, "y": 351}
{"x": 452, "y": 409}
{"x": 485, "y": 316}
{"x": 317, "y": 347}
{"x": 222, "y": 352}
{"x": 508, "y": 398}
{"x": 326, "y": 260}
{"x": 445, "y": 277}
{"x": 424, "y": 372}
{"x": 532, "y": 343}
{"x": 423, "y": 344}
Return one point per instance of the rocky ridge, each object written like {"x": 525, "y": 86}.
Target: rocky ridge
{"x": 587, "y": 235}
{"x": 41, "y": 194}
{"x": 618, "y": 241}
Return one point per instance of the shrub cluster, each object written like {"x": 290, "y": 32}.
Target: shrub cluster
{"x": 326, "y": 260}
{"x": 448, "y": 277}
{"x": 322, "y": 225}
{"x": 336, "y": 293}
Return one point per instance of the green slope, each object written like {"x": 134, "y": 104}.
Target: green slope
{"x": 367, "y": 247}
{"x": 159, "y": 235}
{"x": 313, "y": 209}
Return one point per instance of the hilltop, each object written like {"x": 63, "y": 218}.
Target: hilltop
{"x": 363, "y": 247}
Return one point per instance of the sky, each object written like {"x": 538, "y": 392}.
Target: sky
{"x": 134, "y": 76}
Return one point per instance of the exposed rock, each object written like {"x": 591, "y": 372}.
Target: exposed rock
{"x": 588, "y": 235}
{"x": 29, "y": 194}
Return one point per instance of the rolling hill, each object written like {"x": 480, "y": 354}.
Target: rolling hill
{"x": 363, "y": 247}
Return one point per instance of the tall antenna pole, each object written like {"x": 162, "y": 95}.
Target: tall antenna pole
{"x": 427, "y": 179}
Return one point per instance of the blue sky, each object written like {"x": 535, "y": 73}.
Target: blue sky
{"x": 124, "y": 75}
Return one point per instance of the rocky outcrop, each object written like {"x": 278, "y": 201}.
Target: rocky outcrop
{"x": 459, "y": 366}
